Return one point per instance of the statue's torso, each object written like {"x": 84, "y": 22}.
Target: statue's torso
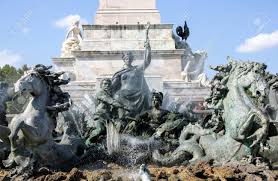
{"x": 132, "y": 89}
{"x": 157, "y": 117}
{"x": 133, "y": 79}
{"x": 101, "y": 105}
{"x": 74, "y": 32}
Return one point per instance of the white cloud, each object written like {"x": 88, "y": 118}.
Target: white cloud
{"x": 9, "y": 57}
{"x": 260, "y": 42}
{"x": 67, "y": 21}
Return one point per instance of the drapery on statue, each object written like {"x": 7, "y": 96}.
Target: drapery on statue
{"x": 129, "y": 86}
{"x": 72, "y": 42}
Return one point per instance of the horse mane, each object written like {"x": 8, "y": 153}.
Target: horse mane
{"x": 59, "y": 100}
{"x": 233, "y": 69}
{"x": 239, "y": 68}
{"x": 242, "y": 68}
{"x": 219, "y": 85}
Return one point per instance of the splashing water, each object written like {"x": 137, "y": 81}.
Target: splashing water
{"x": 129, "y": 150}
{"x": 126, "y": 149}
{"x": 113, "y": 138}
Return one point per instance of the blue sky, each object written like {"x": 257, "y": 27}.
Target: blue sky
{"x": 29, "y": 35}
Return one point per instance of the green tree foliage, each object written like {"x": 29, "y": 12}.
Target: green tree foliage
{"x": 10, "y": 74}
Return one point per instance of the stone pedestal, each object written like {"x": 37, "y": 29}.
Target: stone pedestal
{"x": 104, "y": 43}
{"x": 126, "y": 37}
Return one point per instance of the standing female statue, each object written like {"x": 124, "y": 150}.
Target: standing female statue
{"x": 129, "y": 86}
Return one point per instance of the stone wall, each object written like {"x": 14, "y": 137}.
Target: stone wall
{"x": 126, "y": 37}
{"x": 113, "y": 12}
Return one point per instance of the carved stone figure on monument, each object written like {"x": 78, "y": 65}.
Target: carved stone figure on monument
{"x": 194, "y": 69}
{"x": 72, "y": 42}
{"x": 192, "y": 62}
{"x": 129, "y": 86}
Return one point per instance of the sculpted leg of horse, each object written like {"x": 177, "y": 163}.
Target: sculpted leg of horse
{"x": 33, "y": 126}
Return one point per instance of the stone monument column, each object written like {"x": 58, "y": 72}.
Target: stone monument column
{"x": 112, "y": 12}
{"x": 118, "y": 28}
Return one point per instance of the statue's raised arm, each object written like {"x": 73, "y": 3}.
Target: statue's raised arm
{"x": 147, "y": 57}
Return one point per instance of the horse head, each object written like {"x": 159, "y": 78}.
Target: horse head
{"x": 30, "y": 83}
{"x": 250, "y": 76}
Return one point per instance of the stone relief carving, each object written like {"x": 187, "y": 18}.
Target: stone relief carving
{"x": 72, "y": 41}
{"x": 193, "y": 63}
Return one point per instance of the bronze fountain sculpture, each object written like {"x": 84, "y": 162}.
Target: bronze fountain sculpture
{"x": 241, "y": 125}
